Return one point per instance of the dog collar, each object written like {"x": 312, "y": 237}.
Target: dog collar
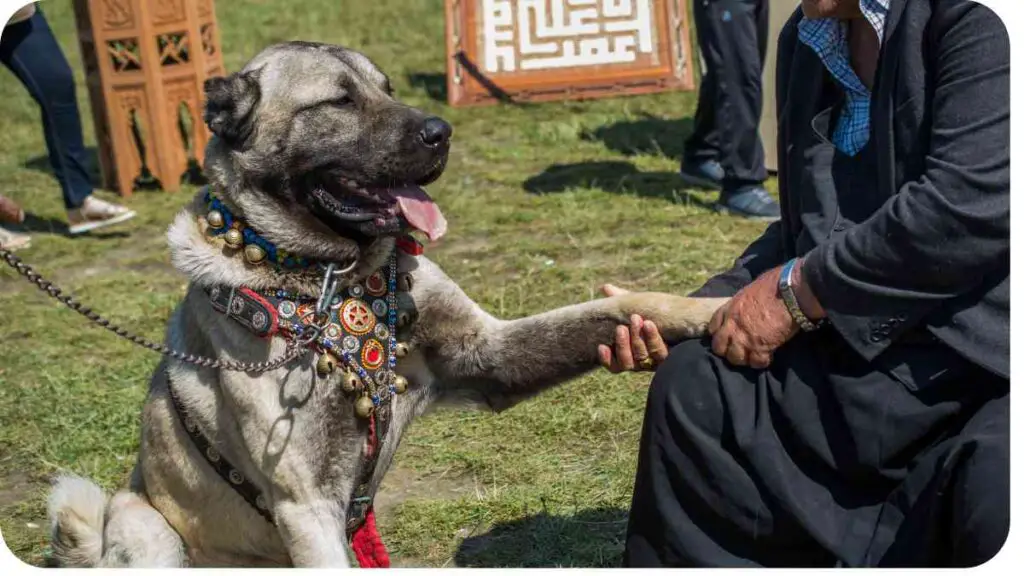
{"x": 257, "y": 250}
{"x": 239, "y": 236}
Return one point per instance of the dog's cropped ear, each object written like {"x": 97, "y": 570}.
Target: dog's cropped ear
{"x": 231, "y": 107}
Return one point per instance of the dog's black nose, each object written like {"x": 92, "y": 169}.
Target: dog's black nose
{"x": 435, "y": 131}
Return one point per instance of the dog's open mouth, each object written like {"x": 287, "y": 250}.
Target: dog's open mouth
{"x": 379, "y": 210}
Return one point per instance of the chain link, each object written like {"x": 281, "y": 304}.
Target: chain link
{"x": 292, "y": 352}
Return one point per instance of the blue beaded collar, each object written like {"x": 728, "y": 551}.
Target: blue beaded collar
{"x": 256, "y": 248}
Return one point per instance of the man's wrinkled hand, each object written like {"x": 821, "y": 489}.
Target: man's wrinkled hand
{"x": 753, "y": 324}
{"x": 637, "y": 347}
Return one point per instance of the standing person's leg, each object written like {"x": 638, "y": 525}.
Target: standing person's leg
{"x": 735, "y": 35}
{"x": 699, "y": 165}
{"x": 30, "y": 50}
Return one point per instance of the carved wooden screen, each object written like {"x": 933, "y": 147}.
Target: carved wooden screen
{"x": 145, "y": 64}
{"x": 532, "y": 50}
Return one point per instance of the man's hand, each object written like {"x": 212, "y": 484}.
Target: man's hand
{"x": 751, "y": 326}
{"x": 638, "y": 346}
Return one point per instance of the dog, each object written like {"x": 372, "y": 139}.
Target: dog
{"x": 313, "y": 159}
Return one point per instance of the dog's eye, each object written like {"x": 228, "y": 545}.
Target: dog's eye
{"x": 343, "y": 102}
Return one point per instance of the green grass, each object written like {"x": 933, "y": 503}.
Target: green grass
{"x": 545, "y": 202}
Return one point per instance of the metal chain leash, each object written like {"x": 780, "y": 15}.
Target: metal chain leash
{"x": 295, "y": 348}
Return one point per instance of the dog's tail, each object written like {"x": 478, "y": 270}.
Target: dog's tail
{"x": 76, "y": 510}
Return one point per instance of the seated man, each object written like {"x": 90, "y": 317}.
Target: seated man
{"x": 852, "y": 405}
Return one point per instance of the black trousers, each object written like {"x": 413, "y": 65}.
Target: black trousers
{"x": 822, "y": 460}
{"x": 733, "y": 38}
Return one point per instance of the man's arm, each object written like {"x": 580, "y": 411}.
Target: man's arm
{"x": 942, "y": 233}
{"x": 763, "y": 254}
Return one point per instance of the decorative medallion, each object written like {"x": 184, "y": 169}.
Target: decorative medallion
{"x": 381, "y": 331}
{"x": 333, "y": 331}
{"x": 373, "y": 354}
{"x": 305, "y": 313}
{"x": 336, "y": 302}
{"x": 380, "y": 307}
{"x": 357, "y": 317}
{"x": 376, "y": 285}
{"x": 259, "y": 320}
{"x": 286, "y": 308}
{"x": 350, "y": 343}
{"x": 355, "y": 290}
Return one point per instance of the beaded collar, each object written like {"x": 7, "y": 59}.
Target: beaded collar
{"x": 238, "y": 235}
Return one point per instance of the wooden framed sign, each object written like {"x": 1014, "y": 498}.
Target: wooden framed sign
{"x": 535, "y": 50}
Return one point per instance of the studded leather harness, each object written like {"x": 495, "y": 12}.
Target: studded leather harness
{"x": 351, "y": 324}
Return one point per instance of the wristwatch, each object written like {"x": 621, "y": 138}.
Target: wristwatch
{"x": 789, "y": 298}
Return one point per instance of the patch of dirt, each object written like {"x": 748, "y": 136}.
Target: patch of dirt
{"x": 15, "y": 488}
{"x": 401, "y": 484}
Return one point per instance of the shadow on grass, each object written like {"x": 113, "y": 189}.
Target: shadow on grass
{"x": 435, "y": 85}
{"x": 649, "y": 135}
{"x": 44, "y": 225}
{"x": 41, "y": 163}
{"x": 615, "y": 176}
{"x": 590, "y": 538}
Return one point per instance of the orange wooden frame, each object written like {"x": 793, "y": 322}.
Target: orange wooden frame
{"x": 469, "y": 85}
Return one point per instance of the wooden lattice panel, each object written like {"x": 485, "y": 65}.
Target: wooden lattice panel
{"x": 145, "y": 64}
{"x": 532, "y": 50}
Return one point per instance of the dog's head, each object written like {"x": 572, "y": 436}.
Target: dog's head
{"x": 316, "y": 128}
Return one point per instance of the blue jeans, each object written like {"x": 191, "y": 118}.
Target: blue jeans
{"x": 30, "y": 50}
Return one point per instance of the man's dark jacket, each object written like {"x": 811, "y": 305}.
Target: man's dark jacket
{"x": 932, "y": 251}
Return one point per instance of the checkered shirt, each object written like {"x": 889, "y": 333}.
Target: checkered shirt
{"x": 827, "y": 37}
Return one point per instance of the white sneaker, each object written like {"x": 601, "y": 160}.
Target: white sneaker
{"x": 13, "y": 241}
{"x": 96, "y": 213}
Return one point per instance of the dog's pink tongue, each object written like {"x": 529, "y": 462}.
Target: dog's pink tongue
{"x": 420, "y": 211}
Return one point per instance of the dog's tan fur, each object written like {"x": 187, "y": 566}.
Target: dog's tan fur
{"x": 289, "y": 431}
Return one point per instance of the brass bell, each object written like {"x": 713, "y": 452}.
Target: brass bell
{"x": 349, "y": 381}
{"x": 401, "y": 384}
{"x": 233, "y": 238}
{"x": 326, "y": 364}
{"x": 215, "y": 219}
{"x": 403, "y": 319}
{"x": 364, "y": 406}
{"x": 255, "y": 254}
{"x": 401, "y": 350}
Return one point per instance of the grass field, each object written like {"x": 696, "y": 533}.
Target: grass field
{"x": 545, "y": 203}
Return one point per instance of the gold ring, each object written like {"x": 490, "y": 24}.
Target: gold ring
{"x": 646, "y": 363}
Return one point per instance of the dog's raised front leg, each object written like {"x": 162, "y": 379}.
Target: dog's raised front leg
{"x": 507, "y": 361}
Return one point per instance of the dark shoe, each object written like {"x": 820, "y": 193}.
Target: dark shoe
{"x": 707, "y": 174}
{"x": 754, "y": 203}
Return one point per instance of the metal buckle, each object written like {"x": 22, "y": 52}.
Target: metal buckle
{"x": 329, "y": 286}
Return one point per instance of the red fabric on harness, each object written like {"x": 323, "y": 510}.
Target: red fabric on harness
{"x": 271, "y": 311}
{"x": 367, "y": 545}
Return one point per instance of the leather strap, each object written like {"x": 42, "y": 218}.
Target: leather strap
{"x": 238, "y": 482}
{"x": 247, "y": 307}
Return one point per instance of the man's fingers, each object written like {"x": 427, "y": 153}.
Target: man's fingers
{"x": 607, "y": 359}
{"x": 759, "y": 360}
{"x": 720, "y": 343}
{"x": 610, "y": 290}
{"x": 736, "y": 353}
{"x": 636, "y": 341}
{"x": 655, "y": 344}
{"x": 623, "y": 352}
{"x": 717, "y": 319}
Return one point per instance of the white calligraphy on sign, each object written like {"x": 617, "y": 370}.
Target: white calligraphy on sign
{"x": 543, "y": 34}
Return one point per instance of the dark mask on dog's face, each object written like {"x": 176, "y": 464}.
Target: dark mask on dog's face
{"x": 321, "y": 124}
